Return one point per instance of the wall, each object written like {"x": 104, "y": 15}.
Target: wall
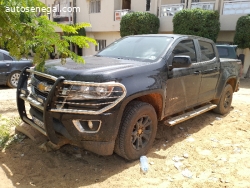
{"x": 226, "y": 36}
{"x": 117, "y": 5}
{"x": 164, "y": 2}
{"x": 247, "y": 60}
{"x": 138, "y": 5}
{"x": 101, "y": 22}
{"x": 228, "y": 22}
{"x": 108, "y": 36}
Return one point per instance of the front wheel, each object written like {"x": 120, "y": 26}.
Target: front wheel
{"x": 137, "y": 130}
{"x": 13, "y": 79}
{"x": 224, "y": 104}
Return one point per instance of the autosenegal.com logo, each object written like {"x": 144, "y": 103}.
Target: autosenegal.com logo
{"x": 48, "y": 10}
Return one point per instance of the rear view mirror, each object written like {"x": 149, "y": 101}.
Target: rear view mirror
{"x": 181, "y": 61}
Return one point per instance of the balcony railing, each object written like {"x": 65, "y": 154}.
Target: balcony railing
{"x": 203, "y": 5}
{"x": 170, "y": 9}
{"x": 120, "y": 13}
{"x": 236, "y": 7}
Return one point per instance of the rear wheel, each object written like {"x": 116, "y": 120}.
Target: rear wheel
{"x": 13, "y": 79}
{"x": 225, "y": 101}
{"x": 137, "y": 130}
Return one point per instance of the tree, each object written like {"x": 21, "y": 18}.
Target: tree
{"x": 22, "y": 31}
{"x": 137, "y": 23}
{"x": 199, "y": 22}
{"x": 242, "y": 34}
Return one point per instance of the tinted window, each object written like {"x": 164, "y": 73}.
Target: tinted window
{"x": 186, "y": 47}
{"x": 223, "y": 52}
{"x": 6, "y": 57}
{"x": 207, "y": 51}
{"x": 1, "y": 56}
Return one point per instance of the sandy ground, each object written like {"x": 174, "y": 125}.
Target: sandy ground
{"x": 216, "y": 150}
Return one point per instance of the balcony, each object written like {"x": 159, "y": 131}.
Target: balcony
{"x": 236, "y": 7}
{"x": 120, "y": 13}
{"x": 203, "y": 5}
{"x": 170, "y": 9}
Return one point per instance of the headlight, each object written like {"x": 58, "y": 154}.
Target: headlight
{"x": 104, "y": 91}
{"x": 88, "y": 92}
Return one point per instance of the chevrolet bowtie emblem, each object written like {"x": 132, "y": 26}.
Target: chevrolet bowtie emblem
{"x": 43, "y": 87}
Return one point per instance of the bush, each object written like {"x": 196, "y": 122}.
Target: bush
{"x": 137, "y": 23}
{"x": 199, "y": 22}
{"x": 242, "y": 34}
{"x": 6, "y": 130}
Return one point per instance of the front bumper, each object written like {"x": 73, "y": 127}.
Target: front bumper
{"x": 86, "y": 128}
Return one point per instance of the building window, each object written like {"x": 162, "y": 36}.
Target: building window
{"x": 94, "y": 6}
{"x": 148, "y": 5}
{"x": 182, "y": 1}
{"x": 101, "y": 44}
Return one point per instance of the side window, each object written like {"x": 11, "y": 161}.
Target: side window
{"x": 186, "y": 47}
{"x": 207, "y": 51}
{"x": 7, "y": 58}
{"x": 1, "y": 56}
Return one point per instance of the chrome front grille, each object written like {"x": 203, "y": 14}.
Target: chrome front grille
{"x": 73, "y": 97}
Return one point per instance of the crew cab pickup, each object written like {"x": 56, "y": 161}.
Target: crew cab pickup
{"x": 114, "y": 101}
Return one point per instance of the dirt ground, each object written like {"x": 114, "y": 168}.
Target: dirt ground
{"x": 211, "y": 150}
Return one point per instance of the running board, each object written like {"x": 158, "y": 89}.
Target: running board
{"x": 178, "y": 119}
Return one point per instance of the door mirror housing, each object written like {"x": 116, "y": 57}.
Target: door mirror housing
{"x": 181, "y": 61}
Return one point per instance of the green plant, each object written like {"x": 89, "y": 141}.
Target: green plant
{"x": 7, "y": 127}
{"x": 137, "y": 23}
{"x": 22, "y": 31}
{"x": 242, "y": 34}
{"x": 199, "y": 22}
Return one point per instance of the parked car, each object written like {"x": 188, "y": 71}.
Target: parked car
{"x": 113, "y": 102}
{"x": 227, "y": 51}
{"x": 10, "y": 68}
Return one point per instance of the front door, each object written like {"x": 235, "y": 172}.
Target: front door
{"x": 183, "y": 84}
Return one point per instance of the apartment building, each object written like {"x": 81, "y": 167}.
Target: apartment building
{"x": 105, "y": 16}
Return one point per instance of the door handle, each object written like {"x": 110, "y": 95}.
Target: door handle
{"x": 7, "y": 64}
{"x": 197, "y": 72}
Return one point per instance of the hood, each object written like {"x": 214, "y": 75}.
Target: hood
{"x": 98, "y": 69}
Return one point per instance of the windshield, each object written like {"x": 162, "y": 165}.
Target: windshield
{"x": 141, "y": 48}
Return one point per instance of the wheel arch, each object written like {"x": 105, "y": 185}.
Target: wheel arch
{"x": 233, "y": 82}
{"x": 223, "y": 81}
{"x": 153, "y": 97}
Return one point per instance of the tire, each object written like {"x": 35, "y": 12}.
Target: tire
{"x": 13, "y": 79}
{"x": 137, "y": 130}
{"x": 225, "y": 101}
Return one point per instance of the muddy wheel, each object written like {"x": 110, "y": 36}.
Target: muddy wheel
{"x": 225, "y": 101}
{"x": 13, "y": 79}
{"x": 137, "y": 130}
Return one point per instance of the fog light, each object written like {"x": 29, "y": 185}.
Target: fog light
{"x": 90, "y": 124}
{"x": 87, "y": 126}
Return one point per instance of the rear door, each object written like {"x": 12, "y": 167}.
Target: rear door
{"x": 210, "y": 71}
{"x": 183, "y": 84}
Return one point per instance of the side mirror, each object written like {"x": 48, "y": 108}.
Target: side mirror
{"x": 181, "y": 61}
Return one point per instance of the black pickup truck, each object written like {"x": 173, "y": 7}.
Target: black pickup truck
{"x": 114, "y": 101}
